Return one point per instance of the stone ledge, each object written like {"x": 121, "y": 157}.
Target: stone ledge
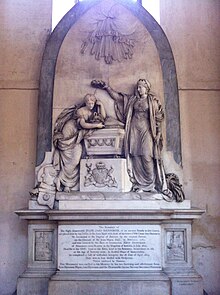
{"x": 116, "y": 201}
{"x": 38, "y": 273}
{"x": 110, "y": 276}
{"x": 31, "y": 214}
{"x": 130, "y": 215}
{"x": 107, "y": 287}
{"x": 122, "y": 205}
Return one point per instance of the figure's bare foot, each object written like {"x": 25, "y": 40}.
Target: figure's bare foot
{"x": 66, "y": 189}
{"x": 153, "y": 191}
{"x": 57, "y": 183}
{"x": 136, "y": 190}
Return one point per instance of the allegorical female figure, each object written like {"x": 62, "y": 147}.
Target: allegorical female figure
{"x": 72, "y": 125}
{"x": 142, "y": 114}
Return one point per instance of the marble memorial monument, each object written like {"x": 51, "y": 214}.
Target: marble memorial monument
{"x": 108, "y": 214}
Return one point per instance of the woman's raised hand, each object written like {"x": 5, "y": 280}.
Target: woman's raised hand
{"x": 98, "y": 102}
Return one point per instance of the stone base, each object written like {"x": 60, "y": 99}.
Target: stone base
{"x": 153, "y": 284}
{"x": 33, "y": 205}
{"x": 188, "y": 282}
{"x": 36, "y": 286}
{"x": 34, "y": 281}
{"x": 183, "y": 286}
{"x": 110, "y": 251}
{"x": 109, "y": 288}
{"x": 116, "y": 201}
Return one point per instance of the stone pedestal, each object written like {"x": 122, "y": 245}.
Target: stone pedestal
{"x": 150, "y": 285}
{"x": 42, "y": 253}
{"x": 145, "y": 249}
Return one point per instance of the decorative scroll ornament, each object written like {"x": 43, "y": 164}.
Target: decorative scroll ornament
{"x": 99, "y": 176}
{"x": 107, "y": 41}
{"x": 101, "y": 142}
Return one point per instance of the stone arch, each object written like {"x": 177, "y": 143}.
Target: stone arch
{"x": 48, "y": 67}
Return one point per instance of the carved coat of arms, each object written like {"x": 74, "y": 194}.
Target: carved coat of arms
{"x": 99, "y": 176}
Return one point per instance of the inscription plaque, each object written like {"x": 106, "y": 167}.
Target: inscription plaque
{"x": 109, "y": 247}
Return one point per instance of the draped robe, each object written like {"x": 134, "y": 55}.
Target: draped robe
{"x": 67, "y": 139}
{"x": 142, "y": 151}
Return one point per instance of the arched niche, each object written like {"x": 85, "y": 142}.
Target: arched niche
{"x": 47, "y": 76}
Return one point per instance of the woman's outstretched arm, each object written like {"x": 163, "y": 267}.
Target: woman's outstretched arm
{"x": 104, "y": 86}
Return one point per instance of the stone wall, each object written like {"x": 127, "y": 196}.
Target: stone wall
{"x": 192, "y": 27}
{"x": 25, "y": 26}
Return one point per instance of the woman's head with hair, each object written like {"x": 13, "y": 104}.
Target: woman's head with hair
{"x": 142, "y": 88}
{"x": 89, "y": 97}
{"x": 90, "y": 100}
{"x": 145, "y": 83}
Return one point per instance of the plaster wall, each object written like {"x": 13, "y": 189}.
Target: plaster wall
{"x": 192, "y": 27}
{"x": 25, "y": 26}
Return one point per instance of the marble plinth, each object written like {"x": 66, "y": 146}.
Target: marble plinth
{"x": 102, "y": 251}
{"x": 36, "y": 286}
{"x": 190, "y": 283}
{"x": 115, "y": 201}
{"x": 148, "y": 286}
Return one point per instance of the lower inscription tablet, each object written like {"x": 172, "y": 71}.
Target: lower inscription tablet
{"x": 109, "y": 247}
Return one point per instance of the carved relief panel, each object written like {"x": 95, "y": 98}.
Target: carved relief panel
{"x": 43, "y": 245}
{"x": 42, "y": 240}
{"x": 176, "y": 245}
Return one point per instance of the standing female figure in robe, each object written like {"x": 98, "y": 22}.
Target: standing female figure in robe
{"x": 142, "y": 115}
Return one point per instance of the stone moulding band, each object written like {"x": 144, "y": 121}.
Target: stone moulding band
{"x": 108, "y": 215}
{"x": 48, "y": 66}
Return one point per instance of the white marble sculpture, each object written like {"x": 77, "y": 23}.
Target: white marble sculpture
{"x": 143, "y": 114}
{"x": 72, "y": 125}
{"x": 136, "y": 136}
